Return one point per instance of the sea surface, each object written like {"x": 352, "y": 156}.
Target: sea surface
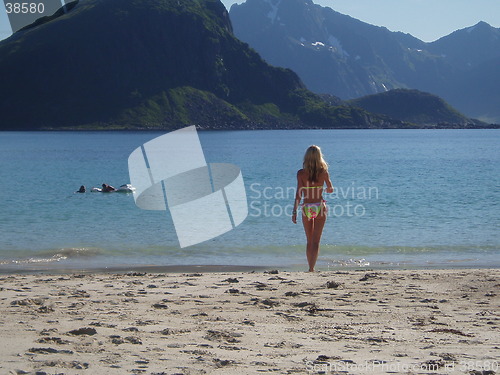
{"x": 403, "y": 199}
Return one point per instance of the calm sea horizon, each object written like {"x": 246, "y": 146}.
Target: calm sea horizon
{"x": 403, "y": 199}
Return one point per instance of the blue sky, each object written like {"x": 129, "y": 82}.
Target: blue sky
{"x": 425, "y": 19}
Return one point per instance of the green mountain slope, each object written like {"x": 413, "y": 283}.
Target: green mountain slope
{"x": 117, "y": 64}
{"x": 415, "y": 106}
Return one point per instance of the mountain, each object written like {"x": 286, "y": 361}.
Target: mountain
{"x": 474, "y": 53}
{"x": 478, "y": 91}
{"x": 154, "y": 64}
{"x": 416, "y": 107}
{"x": 468, "y": 48}
{"x": 336, "y": 54}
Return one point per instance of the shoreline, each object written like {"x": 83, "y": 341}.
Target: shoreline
{"x": 124, "y": 129}
{"x": 174, "y": 269}
{"x": 349, "y": 321}
{"x": 221, "y": 268}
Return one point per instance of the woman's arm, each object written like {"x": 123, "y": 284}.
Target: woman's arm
{"x": 298, "y": 197}
{"x": 329, "y": 186}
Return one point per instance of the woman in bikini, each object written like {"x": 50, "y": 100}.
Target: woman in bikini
{"x": 310, "y": 181}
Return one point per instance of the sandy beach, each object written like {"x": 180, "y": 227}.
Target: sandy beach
{"x": 332, "y": 322}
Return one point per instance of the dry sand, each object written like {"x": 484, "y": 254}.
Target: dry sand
{"x": 349, "y": 322}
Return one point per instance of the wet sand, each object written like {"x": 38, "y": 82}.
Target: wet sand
{"x": 349, "y": 322}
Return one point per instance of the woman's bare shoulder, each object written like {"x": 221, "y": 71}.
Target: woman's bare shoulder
{"x": 324, "y": 175}
{"x": 301, "y": 172}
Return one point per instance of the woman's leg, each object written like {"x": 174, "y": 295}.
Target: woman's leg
{"x": 314, "y": 230}
{"x": 309, "y": 229}
{"x": 318, "y": 226}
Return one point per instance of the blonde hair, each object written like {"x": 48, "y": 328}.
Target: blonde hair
{"x": 314, "y": 163}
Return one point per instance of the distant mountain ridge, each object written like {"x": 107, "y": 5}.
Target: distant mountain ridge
{"x": 153, "y": 64}
{"x": 339, "y": 55}
{"x": 468, "y": 47}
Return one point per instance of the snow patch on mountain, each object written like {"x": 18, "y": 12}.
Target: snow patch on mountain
{"x": 274, "y": 9}
{"x": 334, "y": 42}
{"x": 318, "y": 44}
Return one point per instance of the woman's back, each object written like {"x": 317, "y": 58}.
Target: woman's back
{"x": 312, "y": 191}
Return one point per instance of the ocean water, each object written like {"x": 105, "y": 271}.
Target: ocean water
{"x": 403, "y": 199}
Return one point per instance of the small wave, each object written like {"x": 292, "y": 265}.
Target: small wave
{"x": 51, "y": 256}
{"x": 408, "y": 250}
{"x": 348, "y": 263}
{"x": 36, "y": 260}
{"x": 78, "y": 252}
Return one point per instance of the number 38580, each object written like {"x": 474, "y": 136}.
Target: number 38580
{"x": 24, "y": 8}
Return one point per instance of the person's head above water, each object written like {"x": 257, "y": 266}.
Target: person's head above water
{"x": 314, "y": 163}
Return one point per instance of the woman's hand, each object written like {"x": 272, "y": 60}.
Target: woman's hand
{"x": 329, "y": 190}
{"x": 294, "y": 218}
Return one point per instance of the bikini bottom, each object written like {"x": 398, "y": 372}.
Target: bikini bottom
{"x": 313, "y": 210}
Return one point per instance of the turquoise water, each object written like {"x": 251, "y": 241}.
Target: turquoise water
{"x": 404, "y": 198}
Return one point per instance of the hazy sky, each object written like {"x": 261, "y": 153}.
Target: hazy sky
{"x": 425, "y": 19}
